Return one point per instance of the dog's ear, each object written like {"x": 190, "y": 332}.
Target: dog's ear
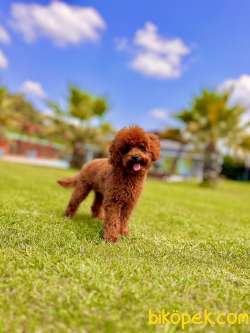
{"x": 155, "y": 146}
{"x": 113, "y": 152}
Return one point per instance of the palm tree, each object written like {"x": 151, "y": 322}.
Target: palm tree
{"x": 3, "y": 118}
{"x": 81, "y": 107}
{"x": 18, "y": 114}
{"x": 212, "y": 120}
{"x": 177, "y": 135}
{"x": 244, "y": 146}
{"x": 243, "y": 151}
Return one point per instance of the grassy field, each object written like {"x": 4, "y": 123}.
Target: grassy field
{"x": 188, "y": 251}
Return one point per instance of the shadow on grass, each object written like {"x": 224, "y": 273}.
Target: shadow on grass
{"x": 86, "y": 227}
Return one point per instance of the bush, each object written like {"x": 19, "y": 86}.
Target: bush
{"x": 235, "y": 169}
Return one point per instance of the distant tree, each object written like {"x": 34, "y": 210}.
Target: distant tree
{"x": 104, "y": 130}
{"x": 3, "y": 118}
{"x": 243, "y": 145}
{"x": 3, "y": 107}
{"x": 177, "y": 135}
{"x": 81, "y": 109}
{"x": 18, "y": 114}
{"x": 174, "y": 134}
{"x": 84, "y": 106}
{"x": 211, "y": 120}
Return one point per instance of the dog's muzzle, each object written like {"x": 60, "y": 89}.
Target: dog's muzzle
{"x": 136, "y": 163}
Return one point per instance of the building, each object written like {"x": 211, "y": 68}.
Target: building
{"x": 178, "y": 159}
{"x": 29, "y": 146}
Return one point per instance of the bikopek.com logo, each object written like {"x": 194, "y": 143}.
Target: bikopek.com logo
{"x": 205, "y": 317}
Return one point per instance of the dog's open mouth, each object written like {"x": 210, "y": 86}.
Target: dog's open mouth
{"x": 137, "y": 167}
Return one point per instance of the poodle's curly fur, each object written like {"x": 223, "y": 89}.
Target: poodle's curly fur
{"x": 117, "y": 181}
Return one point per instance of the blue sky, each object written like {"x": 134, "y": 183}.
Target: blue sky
{"x": 148, "y": 57}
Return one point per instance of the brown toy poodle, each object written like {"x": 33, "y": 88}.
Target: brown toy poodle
{"x": 117, "y": 181}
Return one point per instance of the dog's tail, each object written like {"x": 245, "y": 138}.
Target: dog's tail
{"x": 68, "y": 182}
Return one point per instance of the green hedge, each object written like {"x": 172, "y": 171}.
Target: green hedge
{"x": 235, "y": 169}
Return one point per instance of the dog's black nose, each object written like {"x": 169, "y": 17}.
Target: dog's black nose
{"x": 136, "y": 159}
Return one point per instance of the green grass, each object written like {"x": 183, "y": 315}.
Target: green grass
{"x": 189, "y": 250}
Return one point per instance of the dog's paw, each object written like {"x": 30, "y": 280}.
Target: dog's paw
{"x": 110, "y": 238}
{"x": 99, "y": 216}
{"x": 69, "y": 214}
{"x": 124, "y": 231}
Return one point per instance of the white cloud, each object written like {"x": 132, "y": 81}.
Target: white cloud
{"x": 239, "y": 88}
{"x": 159, "y": 113}
{"x": 240, "y": 92}
{"x": 149, "y": 39}
{"x": 4, "y": 36}
{"x": 153, "y": 64}
{"x": 33, "y": 88}
{"x": 64, "y": 24}
{"x": 3, "y": 60}
{"x": 158, "y": 56}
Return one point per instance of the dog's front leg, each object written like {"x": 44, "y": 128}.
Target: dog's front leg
{"x": 125, "y": 215}
{"x": 112, "y": 223}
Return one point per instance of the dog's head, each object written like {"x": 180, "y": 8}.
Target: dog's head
{"x": 134, "y": 150}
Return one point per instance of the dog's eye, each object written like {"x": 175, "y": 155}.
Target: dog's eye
{"x": 126, "y": 149}
{"x": 142, "y": 147}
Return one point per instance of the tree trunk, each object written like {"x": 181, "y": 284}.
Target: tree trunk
{"x": 78, "y": 155}
{"x": 211, "y": 166}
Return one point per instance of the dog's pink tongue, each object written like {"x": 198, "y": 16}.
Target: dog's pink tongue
{"x": 136, "y": 167}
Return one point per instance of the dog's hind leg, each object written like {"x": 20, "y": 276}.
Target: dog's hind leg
{"x": 80, "y": 192}
{"x": 97, "y": 208}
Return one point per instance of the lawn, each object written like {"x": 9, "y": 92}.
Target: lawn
{"x": 188, "y": 251}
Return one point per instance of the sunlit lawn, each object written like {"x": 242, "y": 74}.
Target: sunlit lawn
{"x": 189, "y": 250}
